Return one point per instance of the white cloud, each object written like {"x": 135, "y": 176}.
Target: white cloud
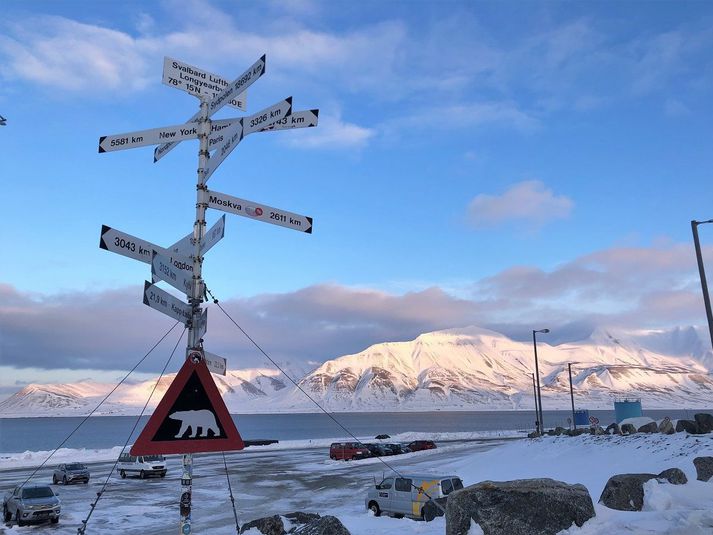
{"x": 525, "y": 202}
{"x": 332, "y": 132}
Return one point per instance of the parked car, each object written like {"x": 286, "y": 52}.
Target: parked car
{"x": 415, "y": 496}
{"x": 397, "y": 449}
{"x": 378, "y": 450}
{"x": 142, "y": 466}
{"x": 418, "y": 445}
{"x": 348, "y": 451}
{"x": 70, "y": 473}
{"x": 31, "y": 503}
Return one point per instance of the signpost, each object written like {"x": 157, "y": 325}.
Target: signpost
{"x": 192, "y": 417}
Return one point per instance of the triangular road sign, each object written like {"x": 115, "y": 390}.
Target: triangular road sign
{"x": 191, "y": 417}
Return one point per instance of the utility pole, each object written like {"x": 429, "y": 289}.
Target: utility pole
{"x": 702, "y": 273}
{"x": 571, "y": 394}
{"x": 537, "y": 372}
{"x": 537, "y": 413}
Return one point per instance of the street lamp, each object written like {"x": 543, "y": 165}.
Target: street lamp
{"x": 702, "y": 273}
{"x": 537, "y": 412}
{"x": 537, "y": 373}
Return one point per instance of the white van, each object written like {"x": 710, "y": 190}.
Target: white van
{"x": 142, "y": 466}
{"x": 416, "y": 495}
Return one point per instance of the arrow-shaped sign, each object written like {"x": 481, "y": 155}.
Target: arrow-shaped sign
{"x": 261, "y": 212}
{"x": 229, "y": 138}
{"x": 126, "y": 245}
{"x": 197, "y": 82}
{"x": 202, "y": 326}
{"x": 298, "y": 119}
{"x": 153, "y": 136}
{"x": 163, "y": 301}
{"x": 186, "y": 246}
{"x": 177, "y": 270}
{"x": 237, "y": 86}
{"x": 215, "y": 363}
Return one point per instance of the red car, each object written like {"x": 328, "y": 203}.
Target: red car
{"x": 418, "y": 445}
{"x": 348, "y": 451}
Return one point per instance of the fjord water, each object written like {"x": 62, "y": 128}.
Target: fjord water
{"x": 39, "y": 434}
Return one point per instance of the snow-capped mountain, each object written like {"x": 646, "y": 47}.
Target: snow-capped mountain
{"x": 457, "y": 369}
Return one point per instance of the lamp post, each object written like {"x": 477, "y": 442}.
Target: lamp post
{"x": 571, "y": 395}
{"x": 537, "y": 372}
{"x": 537, "y": 413}
{"x": 702, "y": 273}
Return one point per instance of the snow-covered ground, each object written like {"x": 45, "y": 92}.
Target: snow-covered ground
{"x": 300, "y": 476}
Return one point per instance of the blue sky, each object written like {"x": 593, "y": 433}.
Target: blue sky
{"x": 496, "y": 163}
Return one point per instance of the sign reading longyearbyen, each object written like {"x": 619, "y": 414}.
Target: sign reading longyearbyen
{"x": 196, "y": 81}
{"x": 190, "y": 418}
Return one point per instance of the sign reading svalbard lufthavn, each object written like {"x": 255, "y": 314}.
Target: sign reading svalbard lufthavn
{"x": 197, "y": 82}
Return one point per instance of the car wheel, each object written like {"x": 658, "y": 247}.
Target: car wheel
{"x": 122, "y": 474}
{"x": 142, "y": 475}
{"x": 18, "y": 519}
{"x": 64, "y": 480}
{"x": 6, "y": 514}
{"x": 428, "y": 512}
{"x": 55, "y": 520}
{"x": 374, "y": 508}
{"x": 163, "y": 474}
{"x": 54, "y": 480}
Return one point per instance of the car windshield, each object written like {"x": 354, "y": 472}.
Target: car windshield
{"x": 457, "y": 484}
{"x": 153, "y": 458}
{"x": 37, "y": 492}
{"x": 76, "y": 466}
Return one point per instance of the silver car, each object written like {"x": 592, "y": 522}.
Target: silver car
{"x": 31, "y": 503}
{"x": 70, "y": 473}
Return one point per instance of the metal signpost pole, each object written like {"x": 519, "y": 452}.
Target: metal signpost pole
{"x": 702, "y": 273}
{"x": 537, "y": 373}
{"x": 194, "y": 332}
{"x": 571, "y": 394}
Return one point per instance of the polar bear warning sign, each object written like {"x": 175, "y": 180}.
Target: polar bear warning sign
{"x": 191, "y": 417}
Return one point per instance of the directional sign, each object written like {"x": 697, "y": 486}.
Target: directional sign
{"x": 234, "y": 134}
{"x": 127, "y": 245}
{"x": 202, "y": 326}
{"x": 197, "y": 82}
{"x": 298, "y": 119}
{"x": 163, "y": 301}
{"x": 215, "y": 363}
{"x": 191, "y": 417}
{"x": 175, "y": 269}
{"x": 161, "y": 151}
{"x": 153, "y": 136}
{"x": 261, "y": 212}
{"x": 186, "y": 246}
{"x": 237, "y": 86}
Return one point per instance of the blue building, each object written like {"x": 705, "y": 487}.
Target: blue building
{"x": 627, "y": 408}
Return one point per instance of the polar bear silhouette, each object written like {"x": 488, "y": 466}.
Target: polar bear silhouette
{"x": 195, "y": 419}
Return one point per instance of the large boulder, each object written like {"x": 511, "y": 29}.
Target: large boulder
{"x": 704, "y": 468}
{"x": 559, "y": 430}
{"x": 704, "y": 422}
{"x": 651, "y": 427}
{"x": 520, "y": 507}
{"x": 628, "y": 429}
{"x": 270, "y": 525}
{"x": 688, "y": 426}
{"x": 613, "y": 429}
{"x": 297, "y": 519}
{"x": 625, "y": 492}
{"x": 666, "y": 427}
{"x": 326, "y": 525}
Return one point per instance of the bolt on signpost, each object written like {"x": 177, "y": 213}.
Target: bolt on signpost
{"x": 192, "y": 417}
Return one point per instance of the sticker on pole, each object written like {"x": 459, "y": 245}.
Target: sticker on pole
{"x": 191, "y": 417}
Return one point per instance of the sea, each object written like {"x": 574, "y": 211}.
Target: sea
{"x": 18, "y": 435}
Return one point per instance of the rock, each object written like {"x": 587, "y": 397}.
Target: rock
{"x": 704, "y": 468}
{"x": 666, "y": 427}
{"x": 625, "y": 492}
{"x": 613, "y": 429}
{"x": 704, "y": 421}
{"x": 271, "y": 525}
{"x": 628, "y": 429}
{"x": 551, "y": 432}
{"x": 689, "y": 426}
{"x": 300, "y": 518}
{"x": 326, "y": 525}
{"x": 675, "y": 476}
{"x": 534, "y": 434}
{"x": 520, "y": 507}
{"x": 382, "y": 437}
{"x": 651, "y": 427}
{"x": 598, "y": 430}
{"x": 559, "y": 430}
{"x": 579, "y": 431}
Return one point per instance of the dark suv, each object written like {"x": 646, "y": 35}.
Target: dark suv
{"x": 418, "y": 445}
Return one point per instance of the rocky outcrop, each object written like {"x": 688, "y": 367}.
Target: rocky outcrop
{"x": 625, "y": 492}
{"x": 326, "y": 525}
{"x": 520, "y": 507}
{"x": 704, "y": 422}
{"x": 704, "y": 468}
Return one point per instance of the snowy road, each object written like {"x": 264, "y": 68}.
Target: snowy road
{"x": 264, "y": 481}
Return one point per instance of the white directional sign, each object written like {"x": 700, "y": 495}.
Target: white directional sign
{"x": 229, "y": 138}
{"x": 177, "y": 270}
{"x": 298, "y": 119}
{"x": 202, "y": 326}
{"x": 237, "y": 86}
{"x": 215, "y": 363}
{"x": 163, "y": 301}
{"x": 126, "y": 245}
{"x": 153, "y": 136}
{"x": 161, "y": 151}
{"x": 197, "y": 82}
{"x": 186, "y": 246}
{"x": 261, "y": 212}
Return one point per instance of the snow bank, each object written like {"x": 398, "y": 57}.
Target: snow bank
{"x": 637, "y": 421}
